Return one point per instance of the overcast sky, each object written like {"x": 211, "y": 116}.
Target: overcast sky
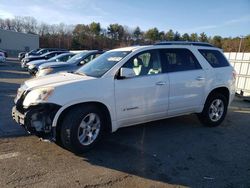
{"x": 214, "y": 17}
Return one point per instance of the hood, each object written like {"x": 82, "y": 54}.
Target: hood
{"x": 32, "y": 56}
{"x": 54, "y": 79}
{"x": 54, "y": 65}
{"x": 36, "y": 57}
{"x": 36, "y": 62}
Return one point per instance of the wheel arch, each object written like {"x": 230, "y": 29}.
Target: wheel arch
{"x": 60, "y": 114}
{"x": 222, "y": 90}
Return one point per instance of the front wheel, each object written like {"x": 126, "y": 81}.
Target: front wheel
{"x": 82, "y": 128}
{"x": 214, "y": 110}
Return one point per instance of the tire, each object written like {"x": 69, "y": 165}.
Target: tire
{"x": 214, "y": 111}
{"x": 82, "y": 128}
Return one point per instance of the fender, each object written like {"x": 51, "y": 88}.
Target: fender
{"x": 67, "y": 105}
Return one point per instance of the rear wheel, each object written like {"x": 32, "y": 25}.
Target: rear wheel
{"x": 214, "y": 110}
{"x": 82, "y": 128}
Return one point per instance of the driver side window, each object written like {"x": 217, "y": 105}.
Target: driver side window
{"x": 145, "y": 63}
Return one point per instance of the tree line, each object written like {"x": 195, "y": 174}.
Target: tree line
{"x": 94, "y": 36}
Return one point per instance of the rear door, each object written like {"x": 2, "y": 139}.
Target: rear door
{"x": 186, "y": 79}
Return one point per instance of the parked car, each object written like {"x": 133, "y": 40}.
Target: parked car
{"x": 71, "y": 65}
{"x": 21, "y": 55}
{"x": 128, "y": 86}
{"x": 44, "y": 50}
{"x": 2, "y": 57}
{"x": 45, "y": 56}
{"x": 5, "y": 53}
{"x": 33, "y": 65}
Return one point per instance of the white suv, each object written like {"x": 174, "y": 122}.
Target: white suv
{"x": 128, "y": 86}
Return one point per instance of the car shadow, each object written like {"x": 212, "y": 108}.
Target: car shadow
{"x": 177, "y": 151}
{"x": 13, "y": 74}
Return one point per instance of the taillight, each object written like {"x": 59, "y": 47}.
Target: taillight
{"x": 234, "y": 74}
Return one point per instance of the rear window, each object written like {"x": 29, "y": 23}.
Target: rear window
{"x": 214, "y": 58}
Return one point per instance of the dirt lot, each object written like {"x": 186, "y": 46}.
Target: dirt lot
{"x": 169, "y": 153}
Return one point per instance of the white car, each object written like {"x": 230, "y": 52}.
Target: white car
{"x": 2, "y": 57}
{"x": 128, "y": 86}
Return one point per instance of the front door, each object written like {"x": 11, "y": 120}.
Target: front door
{"x": 143, "y": 97}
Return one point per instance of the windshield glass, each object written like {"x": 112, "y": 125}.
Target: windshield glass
{"x": 39, "y": 51}
{"x": 57, "y": 57}
{"x": 34, "y": 51}
{"x": 47, "y": 53}
{"x": 42, "y": 51}
{"x": 77, "y": 57}
{"x": 100, "y": 65}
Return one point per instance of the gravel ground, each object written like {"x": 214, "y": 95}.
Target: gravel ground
{"x": 174, "y": 152}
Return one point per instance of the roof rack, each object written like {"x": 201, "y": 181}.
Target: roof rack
{"x": 184, "y": 43}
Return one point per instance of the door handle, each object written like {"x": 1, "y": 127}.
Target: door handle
{"x": 161, "y": 83}
{"x": 199, "y": 78}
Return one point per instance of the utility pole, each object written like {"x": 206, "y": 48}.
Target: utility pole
{"x": 59, "y": 41}
{"x": 241, "y": 38}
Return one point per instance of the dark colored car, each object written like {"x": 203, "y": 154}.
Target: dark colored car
{"x": 44, "y": 50}
{"x": 21, "y": 55}
{"x": 5, "y": 53}
{"x": 71, "y": 65}
{"x": 33, "y": 65}
{"x": 45, "y": 56}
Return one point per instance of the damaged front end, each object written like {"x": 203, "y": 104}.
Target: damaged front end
{"x": 36, "y": 118}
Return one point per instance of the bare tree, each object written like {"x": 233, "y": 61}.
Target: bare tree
{"x": 29, "y": 25}
{"x": 2, "y": 23}
{"x": 93, "y": 36}
{"x": 18, "y": 24}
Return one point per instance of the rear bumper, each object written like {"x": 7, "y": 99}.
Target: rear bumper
{"x": 231, "y": 98}
{"x": 2, "y": 59}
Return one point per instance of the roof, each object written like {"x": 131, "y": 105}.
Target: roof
{"x": 133, "y": 48}
{"x": 184, "y": 43}
{"x": 130, "y": 48}
{"x": 21, "y": 33}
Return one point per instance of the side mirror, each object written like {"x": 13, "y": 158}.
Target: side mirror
{"x": 127, "y": 73}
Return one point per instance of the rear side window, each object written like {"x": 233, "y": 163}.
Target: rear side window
{"x": 214, "y": 58}
{"x": 175, "y": 60}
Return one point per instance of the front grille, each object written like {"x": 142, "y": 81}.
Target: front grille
{"x": 19, "y": 102}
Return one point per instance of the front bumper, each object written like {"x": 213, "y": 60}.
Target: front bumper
{"x": 32, "y": 71}
{"x": 37, "y": 118}
{"x": 17, "y": 116}
{"x": 24, "y": 65}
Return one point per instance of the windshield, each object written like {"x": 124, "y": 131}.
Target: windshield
{"x": 58, "y": 57}
{"x": 77, "y": 57}
{"x": 42, "y": 51}
{"x": 34, "y": 51}
{"x": 47, "y": 53}
{"x": 100, "y": 65}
